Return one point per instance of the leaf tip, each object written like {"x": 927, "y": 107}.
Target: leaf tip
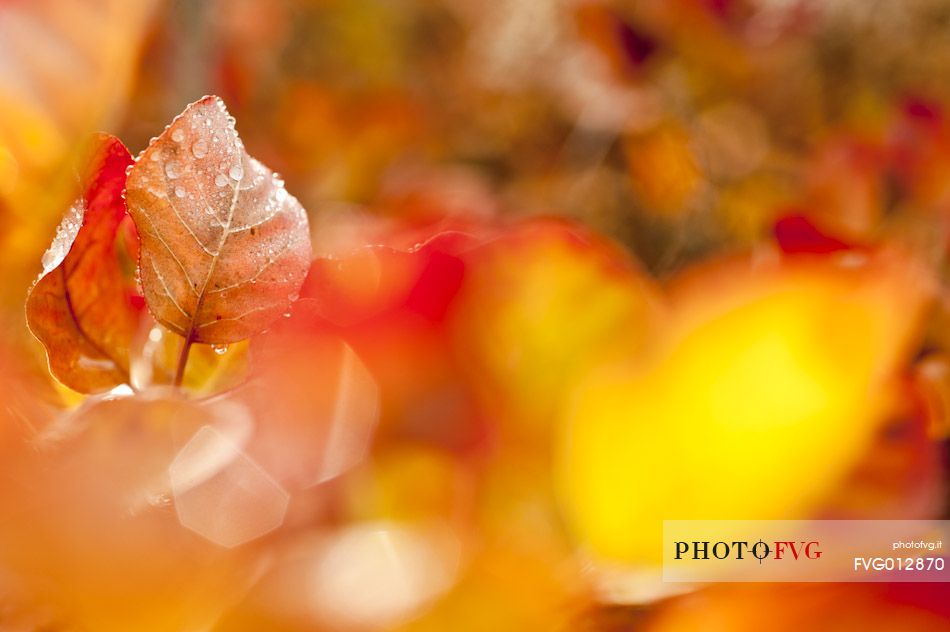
{"x": 210, "y": 100}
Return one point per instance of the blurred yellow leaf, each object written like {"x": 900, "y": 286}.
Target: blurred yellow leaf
{"x": 761, "y": 375}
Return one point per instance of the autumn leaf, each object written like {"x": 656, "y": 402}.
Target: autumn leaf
{"x": 224, "y": 247}
{"x": 81, "y": 308}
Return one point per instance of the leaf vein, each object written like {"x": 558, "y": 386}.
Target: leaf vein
{"x": 240, "y": 316}
{"x": 168, "y": 292}
{"x": 260, "y": 271}
{"x": 188, "y": 228}
{"x": 161, "y": 240}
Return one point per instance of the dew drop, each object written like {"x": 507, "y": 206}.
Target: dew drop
{"x": 178, "y": 136}
{"x": 220, "y": 349}
{"x": 200, "y": 149}
{"x": 236, "y": 172}
{"x": 171, "y": 170}
{"x": 179, "y": 192}
{"x": 220, "y": 180}
{"x": 156, "y": 156}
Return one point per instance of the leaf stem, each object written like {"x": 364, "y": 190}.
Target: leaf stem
{"x": 182, "y": 361}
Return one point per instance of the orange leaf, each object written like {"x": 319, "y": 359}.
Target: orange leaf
{"x": 224, "y": 247}
{"x": 81, "y": 307}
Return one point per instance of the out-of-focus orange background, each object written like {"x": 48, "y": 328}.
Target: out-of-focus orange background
{"x": 580, "y": 266}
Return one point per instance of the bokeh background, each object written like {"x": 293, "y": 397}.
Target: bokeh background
{"x": 601, "y": 263}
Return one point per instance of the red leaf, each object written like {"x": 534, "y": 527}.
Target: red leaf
{"x": 796, "y": 234}
{"x": 82, "y": 307}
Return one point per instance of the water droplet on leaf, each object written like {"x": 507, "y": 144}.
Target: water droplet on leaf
{"x": 200, "y": 149}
